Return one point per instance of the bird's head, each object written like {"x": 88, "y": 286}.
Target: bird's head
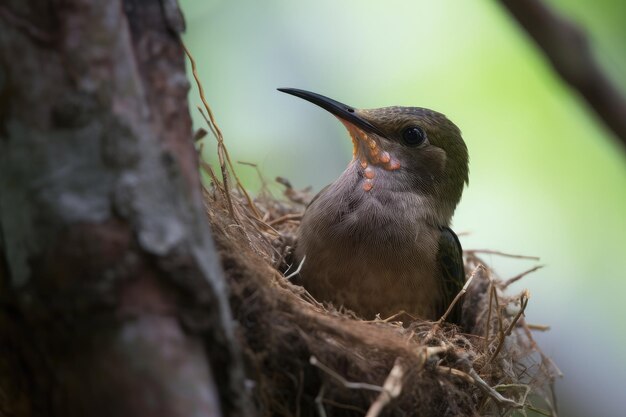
{"x": 407, "y": 148}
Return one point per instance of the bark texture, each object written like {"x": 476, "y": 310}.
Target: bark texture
{"x": 112, "y": 300}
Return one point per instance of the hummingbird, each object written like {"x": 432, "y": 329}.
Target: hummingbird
{"x": 377, "y": 240}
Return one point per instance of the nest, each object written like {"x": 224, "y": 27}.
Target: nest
{"x": 309, "y": 358}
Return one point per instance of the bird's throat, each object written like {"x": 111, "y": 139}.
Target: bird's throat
{"x": 370, "y": 155}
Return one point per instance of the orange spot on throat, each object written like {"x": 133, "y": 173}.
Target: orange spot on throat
{"x": 392, "y": 165}
{"x": 371, "y": 152}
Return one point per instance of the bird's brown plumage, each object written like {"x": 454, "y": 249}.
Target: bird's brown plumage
{"x": 372, "y": 240}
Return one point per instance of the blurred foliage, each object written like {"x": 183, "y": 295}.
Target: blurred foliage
{"x": 546, "y": 179}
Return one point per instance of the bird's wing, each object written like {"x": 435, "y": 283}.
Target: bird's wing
{"x": 450, "y": 261}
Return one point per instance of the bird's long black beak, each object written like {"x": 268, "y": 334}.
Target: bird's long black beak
{"x": 340, "y": 110}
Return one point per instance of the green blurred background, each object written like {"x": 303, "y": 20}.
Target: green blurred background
{"x": 546, "y": 177}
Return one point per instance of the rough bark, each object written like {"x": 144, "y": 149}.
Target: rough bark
{"x": 112, "y": 301}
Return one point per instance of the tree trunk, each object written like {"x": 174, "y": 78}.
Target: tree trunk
{"x": 112, "y": 300}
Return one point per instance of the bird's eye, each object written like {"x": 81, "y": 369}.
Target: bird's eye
{"x": 413, "y": 136}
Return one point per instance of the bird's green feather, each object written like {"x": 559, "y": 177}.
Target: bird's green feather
{"x": 450, "y": 260}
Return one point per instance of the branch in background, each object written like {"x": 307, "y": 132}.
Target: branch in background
{"x": 568, "y": 49}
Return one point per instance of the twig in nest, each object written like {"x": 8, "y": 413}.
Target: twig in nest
{"x": 506, "y": 255}
{"x": 520, "y": 276}
{"x": 200, "y": 133}
{"x": 495, "y": 395}
{"x": 220, "y": 156}
{"x": 538, "y": 327}
{"x": 222, "y": 152}
{"x": 299, "y": 197}
{"x": 493, "y": 299}
{"x": 494, "y": 292}
{"x": 348, "y": 384}
{"x": 488, "y": 322}
{"x": 319, "y": 401}
{"x": 523, "y": 303}
{"x": 297, "y": 271}
{"x": 265, "y": 225}
{"x": 213, "y": 126}
{"x": 390, "y": 318}
{"x": 430, "y": 351}
{"x": 286, "y": 217}
{"x": 456, "y": 372}
{"x": 459, "y": 295}
{"x": 472, "y": 377}
{"x": 258, "y": 172}
{"x": 209, "y": 170}
{"x": 391, "y": 389}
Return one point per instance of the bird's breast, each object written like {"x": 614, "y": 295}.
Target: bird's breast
{"x": 370, "y": 252}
